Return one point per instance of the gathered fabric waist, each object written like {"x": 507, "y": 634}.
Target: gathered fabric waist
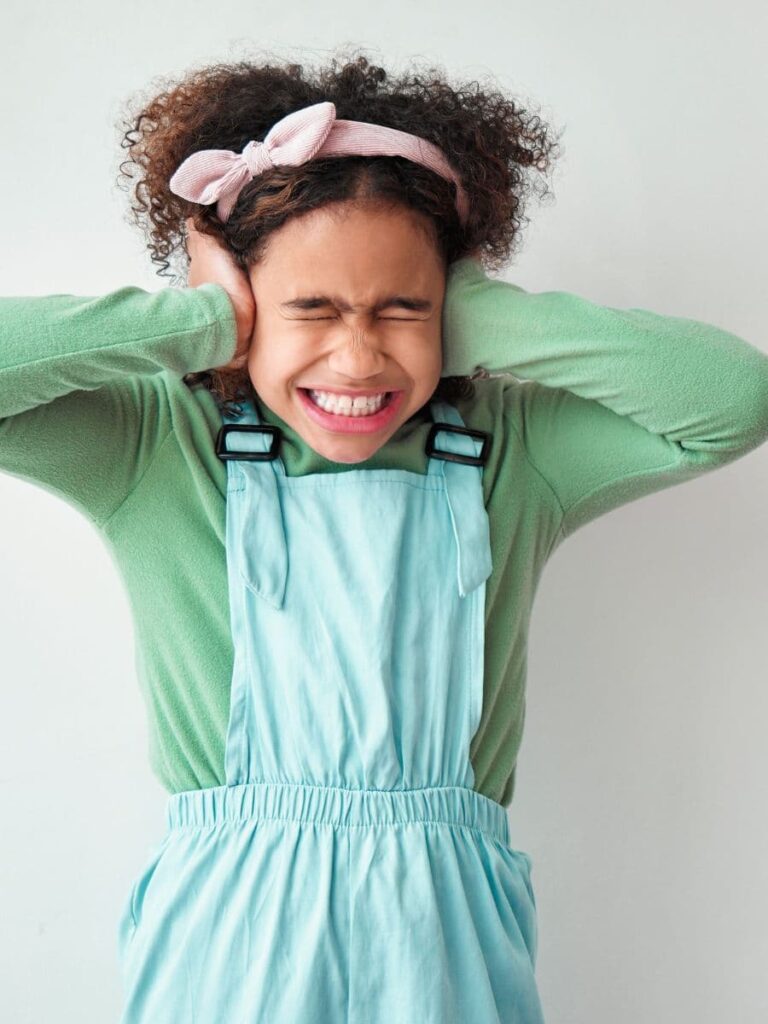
{"x": 340, "y": 807}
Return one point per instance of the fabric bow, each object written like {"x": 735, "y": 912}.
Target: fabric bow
{"x": 220, "y": 174}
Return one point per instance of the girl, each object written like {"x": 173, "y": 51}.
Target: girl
{"x": 331, "y": 536}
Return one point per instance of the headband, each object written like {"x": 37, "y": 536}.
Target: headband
{"x": 310, "y": 133}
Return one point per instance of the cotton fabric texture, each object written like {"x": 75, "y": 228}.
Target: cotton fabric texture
{"x": 348, "y": 870}
{"x": 596, "y": 407}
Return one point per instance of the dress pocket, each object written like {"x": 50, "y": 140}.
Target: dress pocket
{"x": 532, "y": 935}
{"x": 130, "y": 917}
{"x": 520, "y": 893}
{"x": 526, "y": 867}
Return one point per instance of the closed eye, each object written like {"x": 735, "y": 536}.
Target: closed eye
{"x": 404, "y": 319}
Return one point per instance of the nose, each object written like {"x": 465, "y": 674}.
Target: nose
{"x": 357, "y": 355}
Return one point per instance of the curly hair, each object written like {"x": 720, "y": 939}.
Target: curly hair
{"x": 489, "y": 138}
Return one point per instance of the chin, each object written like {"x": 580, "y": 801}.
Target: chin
{"x": 348, "y": 454}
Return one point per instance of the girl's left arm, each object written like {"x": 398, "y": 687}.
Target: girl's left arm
{"x": 614, "y": 404}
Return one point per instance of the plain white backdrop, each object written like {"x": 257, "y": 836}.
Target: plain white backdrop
{"x": 642, "y": 776}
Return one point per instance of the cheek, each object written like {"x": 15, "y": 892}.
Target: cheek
{"x": 271, "y": 361}
{"x": 422, "y": 357}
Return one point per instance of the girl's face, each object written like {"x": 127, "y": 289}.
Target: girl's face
{"x": 348, "y": 300}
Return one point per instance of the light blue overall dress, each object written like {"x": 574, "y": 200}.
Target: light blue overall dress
{"x": 348, "y": 872}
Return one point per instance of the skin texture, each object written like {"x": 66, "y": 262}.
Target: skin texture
{"x": 209, "y": 261}
{"x": 357, "y": 253}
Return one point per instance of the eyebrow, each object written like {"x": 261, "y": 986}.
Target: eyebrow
{"x": 306, "y": 302}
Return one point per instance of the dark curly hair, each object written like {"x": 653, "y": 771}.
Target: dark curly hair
{"x": 489, "y": 139}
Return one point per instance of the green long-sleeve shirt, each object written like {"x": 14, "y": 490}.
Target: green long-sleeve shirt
{"x": 596, "y": 407}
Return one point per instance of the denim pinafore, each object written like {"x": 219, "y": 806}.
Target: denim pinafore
{"x": 347, "y": 872}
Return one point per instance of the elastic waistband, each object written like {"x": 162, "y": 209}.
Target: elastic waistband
{"x": 342, "y": 808}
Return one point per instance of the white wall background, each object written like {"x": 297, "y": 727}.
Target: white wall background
{"x": 642, "y": 776}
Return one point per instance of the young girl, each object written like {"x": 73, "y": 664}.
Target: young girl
{"x": 331, "y": 538}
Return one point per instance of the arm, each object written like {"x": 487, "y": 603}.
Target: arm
{"x": 616, "y": 403}
{"x": 82, "y": 406}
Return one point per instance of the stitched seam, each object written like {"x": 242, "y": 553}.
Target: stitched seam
{"x": 614, "y": 480}
{"x": 332, "y": 824}
{"x": 361, "y": 483}
{"x": 104, "y": 523}
{"x": 565, "y": 512}
{"x": 536, "y": 470}
{"x": 285, "y": 783}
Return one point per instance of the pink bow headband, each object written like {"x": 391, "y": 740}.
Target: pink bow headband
{"x": 312, "y": 132}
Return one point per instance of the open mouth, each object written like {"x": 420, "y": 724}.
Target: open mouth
{"x": 348, "y": 420}
{"x": 347, "y": 409}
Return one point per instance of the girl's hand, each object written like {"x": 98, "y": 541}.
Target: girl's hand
{"x": 210, "y": 261}
{"x": 462, "y": 344}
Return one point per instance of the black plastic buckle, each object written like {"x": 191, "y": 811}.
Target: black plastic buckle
{"x": 471, "y": 460}
{"x": 266, "y": 428}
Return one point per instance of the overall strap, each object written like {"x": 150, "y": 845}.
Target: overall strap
{"x": 464, "y": 490}
{"x": 262, "y": 555}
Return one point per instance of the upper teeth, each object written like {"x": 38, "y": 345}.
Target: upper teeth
{"x": 351, "y": 406}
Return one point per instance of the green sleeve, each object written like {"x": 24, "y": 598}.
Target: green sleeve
{"x": 610, "y": 404}
{"x": 83, "y": 407}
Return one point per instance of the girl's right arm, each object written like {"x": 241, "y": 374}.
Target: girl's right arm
{"x": 83, "y": 407}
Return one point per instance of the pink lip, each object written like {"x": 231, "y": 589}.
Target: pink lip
{"x": 352, "y": 424}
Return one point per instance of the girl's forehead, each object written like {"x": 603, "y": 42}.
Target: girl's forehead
{"x": 365, "y": 225}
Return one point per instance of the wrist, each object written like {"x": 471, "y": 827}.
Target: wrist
{"x": 244, "y": 315}
{"x": 460, "y": 340}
